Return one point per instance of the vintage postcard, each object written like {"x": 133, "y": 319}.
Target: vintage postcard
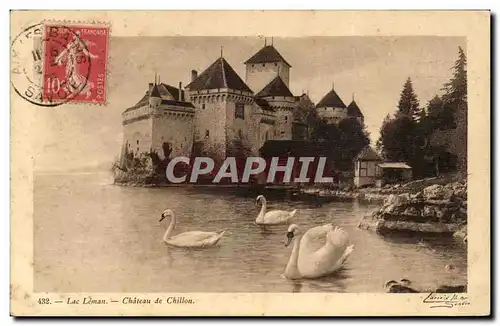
{"x": 250, "y": 163}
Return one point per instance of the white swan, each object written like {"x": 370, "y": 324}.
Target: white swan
{"x": 273, "y": 217}
{"x": 190, "y": 239}
{"x": 321, "y": 251}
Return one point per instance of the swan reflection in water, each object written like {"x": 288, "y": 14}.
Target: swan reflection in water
{"x": 331, "y": 283}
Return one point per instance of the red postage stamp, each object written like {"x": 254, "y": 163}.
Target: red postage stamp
{"x": 75, "y": 63}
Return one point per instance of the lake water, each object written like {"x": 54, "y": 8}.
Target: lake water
{"x": 93, "y": 236}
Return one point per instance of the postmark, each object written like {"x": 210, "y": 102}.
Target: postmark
{"x": 54, "y": 63}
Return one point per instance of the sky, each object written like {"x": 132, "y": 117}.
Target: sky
{"x": 73, "y": 136}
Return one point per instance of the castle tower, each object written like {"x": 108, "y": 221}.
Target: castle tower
{"x": 331, "y": 107}
{"x": 162, "y": 122}
{"x": 154, "y": 97}
{"x": 353, "y": 111}
{"x": 224, "y": 107}
{"x": 264, "y": 66}
{"x": 279, "y": 98}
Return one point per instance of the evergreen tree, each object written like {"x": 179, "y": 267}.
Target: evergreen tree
{"x": 435, "y": 107}
{"x": 455, "y": 102}
{"x": 383, "y": 129}
{"x": 340, "y": 143}
{"x": 397, "y": 139}
{"x": 353, "y": 139}
{"x": 408, "y": 102}
{"x": 456, "y": 89}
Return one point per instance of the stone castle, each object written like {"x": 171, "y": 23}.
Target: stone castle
{"x": 217, "y": 106}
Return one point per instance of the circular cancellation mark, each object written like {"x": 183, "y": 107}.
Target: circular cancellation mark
{"x": 45, "y": 62}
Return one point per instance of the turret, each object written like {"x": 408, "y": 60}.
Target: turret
{"x": 154, "y": 97}
{"x": 331, "y": 107}
{"x": 353, "y": 111}
{"x": 263, "y": 67}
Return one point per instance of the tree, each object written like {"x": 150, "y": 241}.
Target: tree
{"x": 408, "y": 102}
{"x": 380, "y": 141}
{"x": 397, "y": 138}
{"x": 353, "y": 139}
{"x": 455, "y": 107}
{"x": 435, "y": 106}
{"x": 441, "y": 114}
{"x": 342, "y": 142}
{"x": 456, "y": 89}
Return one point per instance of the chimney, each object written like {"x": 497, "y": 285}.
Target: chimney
{"x": 194, "y": 74}
{"x": 180, "y": 92}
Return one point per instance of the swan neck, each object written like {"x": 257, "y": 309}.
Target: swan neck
{"x": 171, "y": 226}
{"x": 291, "y": 270}
{"x": 263, "y": 208}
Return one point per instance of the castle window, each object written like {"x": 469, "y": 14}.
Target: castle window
{"x": 239, "y": 111}
{"x": 263, "y": 65}
{"x": 275, "y": 64}
{"x": 286, "y": 119}
{"x": 253, "y": 66}
{"x": 137, "y": 142}
{"x": 207, "y": 133}
{"x": 203, "y": 106}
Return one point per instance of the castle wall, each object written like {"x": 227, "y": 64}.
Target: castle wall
{"x": 215, "y": 121}
{"x": 333, "y": 115}
{"x": 284, "y": 107}
{"x": 267, "y": 126}
{"x": 210, "y": 120}
{"x": 137, "y": 130}
{"x": 174, "y": 126}
{"x": 241, "y": 127}
{"x": 258, "y": 75}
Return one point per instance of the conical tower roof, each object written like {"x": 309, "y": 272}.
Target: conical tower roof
{"x": 276, "y": 87}
{"x": 267, "y": 54}
{"x": 331, "y": 99}
{"x": 353, "y": 110}
{"x": 155, "y": 92}
{"x": 219, "y": 74}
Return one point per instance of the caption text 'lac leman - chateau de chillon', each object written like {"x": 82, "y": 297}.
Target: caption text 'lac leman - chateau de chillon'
{"x": 217, "y": 106}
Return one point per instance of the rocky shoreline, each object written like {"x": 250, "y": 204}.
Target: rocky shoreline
{"x": 437, "y": 209}
{"x": 432, "y": 205}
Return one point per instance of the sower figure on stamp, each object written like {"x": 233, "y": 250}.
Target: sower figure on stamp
{"x": 70, "y": 56}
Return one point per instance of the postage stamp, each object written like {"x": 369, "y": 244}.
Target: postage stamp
{"x": 55, "y": 63}
{"x": 290, "y": 168}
